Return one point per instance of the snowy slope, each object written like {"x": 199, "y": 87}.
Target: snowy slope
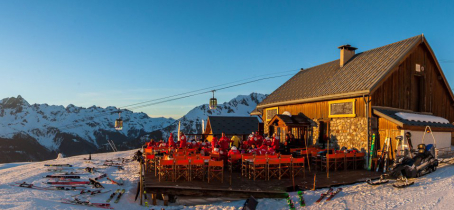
{"x": 241, "y": 105}
{"x": 433, "y": 191}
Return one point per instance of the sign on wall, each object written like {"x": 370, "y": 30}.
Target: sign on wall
{"x": 271, "y": 112}
{"x": 342, "y": 108}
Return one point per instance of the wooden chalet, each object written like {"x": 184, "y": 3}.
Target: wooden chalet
{"x": 376, "y": 91}
{"x": 231, "y": 125}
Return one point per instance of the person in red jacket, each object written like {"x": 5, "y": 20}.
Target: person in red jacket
{"x": 270, "y": 151}
{"x": 258, "y": 139}
{"x": 162, "y": 144}
{"x": 193, "y": 145}
{"x": 205, "y": 148}
{"x": 224, "y": 142}
{"x": 244, "y": 145}
{"x": 150, "y": 144}
{"x": 214, "y": 142}
{"x": 275, "y": 143}
{"x": 267, "y": 141}
{"x": 183, "y": 141}
{"x": 233, "y": 151}
{"x": 171, "y": 143}
{"x": 262, "y": 150}
{"x": 252, "y": 150}
{"x": 250, "y": 139}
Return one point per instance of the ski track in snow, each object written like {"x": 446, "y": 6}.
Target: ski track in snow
{"x": 432, "y": 191}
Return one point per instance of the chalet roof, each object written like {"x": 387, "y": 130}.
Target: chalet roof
{"x": 394, "y": 115}
{"x": 233, "y": 124}
{"x": 329, "y": 81}
{"x": 294, "y": 120}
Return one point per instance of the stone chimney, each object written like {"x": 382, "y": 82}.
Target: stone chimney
{"x": 347, "y": 52}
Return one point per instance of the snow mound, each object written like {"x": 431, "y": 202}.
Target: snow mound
{"x": 422, "y": 118}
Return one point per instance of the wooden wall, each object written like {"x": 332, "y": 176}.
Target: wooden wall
{"x": 419, "y": 92}
{"x": 386, "y": 129}
{"x": 318, "y": 110}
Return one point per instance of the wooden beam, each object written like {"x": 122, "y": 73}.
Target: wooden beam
{"x": 209, "y": 192}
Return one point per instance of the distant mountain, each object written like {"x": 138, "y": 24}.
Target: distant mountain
{"x": 47, "y": 130}
{"x": 241, "y": 105}
{"x": 40, "y": 131}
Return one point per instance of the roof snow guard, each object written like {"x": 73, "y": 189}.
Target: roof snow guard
{"x": 408, "y": 119}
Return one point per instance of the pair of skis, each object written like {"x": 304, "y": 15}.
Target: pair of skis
{"x": 58, "y": 165}
{"x": 384, "y": 155}
{"x": 100, "y": 177}
{"x": 31, "y": 186}
{"x": 89, "y": 193}
{"x": 77, "y": 201}
{"x": 68, "y": 183}
{"x": 120, "y": 193}
{"x": 119, "y": 183}
{"x": 62, "y": 176}
{"x": 329, "y": 194}
{"x": 372, "y": 152}
{"x": 290, "y": 203}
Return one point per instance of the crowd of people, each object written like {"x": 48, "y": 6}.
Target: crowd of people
{"x": 224, "y": 146}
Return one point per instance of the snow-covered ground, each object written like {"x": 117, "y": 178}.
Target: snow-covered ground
{"x": 433, "y": 191}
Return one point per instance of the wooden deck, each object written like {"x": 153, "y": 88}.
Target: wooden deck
{"x": 242, "y": 187}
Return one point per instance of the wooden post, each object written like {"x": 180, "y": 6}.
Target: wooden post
{"x": 153, "y": 198}
{"x": 166, "y": 199}
{"x": 327, "y": 161}
{"x": 231, "y": 170}
{"x": 293, "y": 177}
{"x": 307, "y": 155}
{"x": 315, "y": 176}
{"x": 141, "y": 183}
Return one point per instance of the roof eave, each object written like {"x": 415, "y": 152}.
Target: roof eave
{"x": 315, "y": 99}
{"x": 378, "y": 113}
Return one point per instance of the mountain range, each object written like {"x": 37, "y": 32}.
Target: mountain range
{"x": 32, "y": 132}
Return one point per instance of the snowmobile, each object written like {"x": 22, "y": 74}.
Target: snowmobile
{"x": 410, "y": 164}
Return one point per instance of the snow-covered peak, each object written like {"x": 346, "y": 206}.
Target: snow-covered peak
{"x": 242, "y": 105}
{"x": 14, "y": 102}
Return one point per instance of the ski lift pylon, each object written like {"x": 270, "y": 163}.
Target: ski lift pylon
{"x": 119, "y": 122}
{"x": 213, "y": 101}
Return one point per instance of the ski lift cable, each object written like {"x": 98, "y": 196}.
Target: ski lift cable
{"x": 230, "y": 86}
{"x": 202, "y": 89}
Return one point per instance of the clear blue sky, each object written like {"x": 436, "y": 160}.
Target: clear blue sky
{"x": 122, "y": 52}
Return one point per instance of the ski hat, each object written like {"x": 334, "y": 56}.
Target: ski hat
{"x": 233, "y": 148}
